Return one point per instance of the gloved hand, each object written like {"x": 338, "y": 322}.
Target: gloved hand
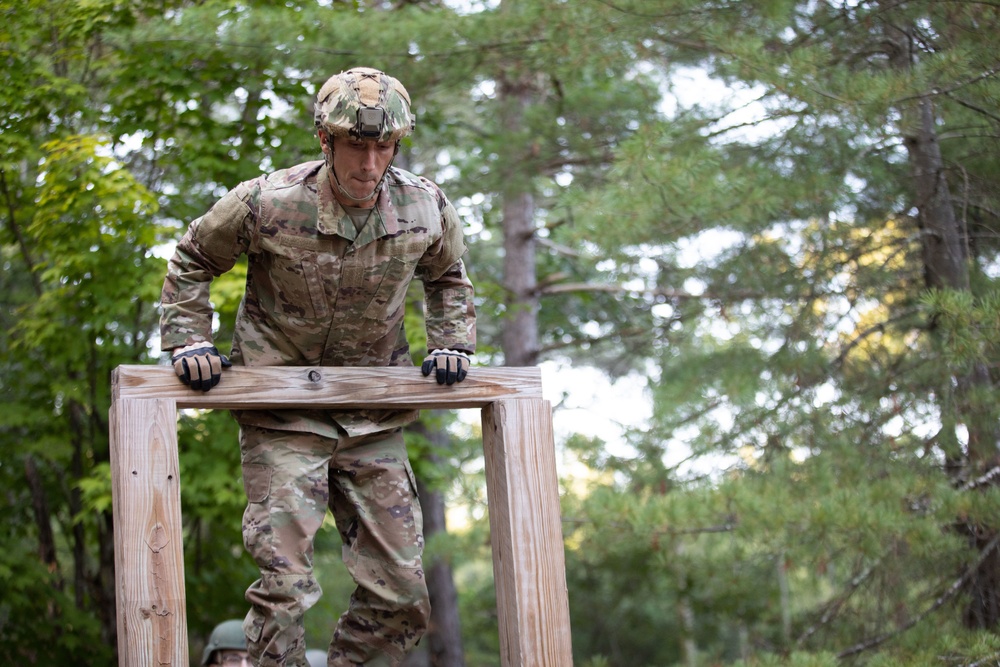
{"x": 452, "y": 365}
{"x": 199, "y": 365}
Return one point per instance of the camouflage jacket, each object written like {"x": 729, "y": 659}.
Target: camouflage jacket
{"x": 319, "y": 292}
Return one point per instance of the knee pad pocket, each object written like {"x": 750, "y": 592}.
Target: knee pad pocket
{"x": 253, "y": 625}
{"x": 256, "y": 482}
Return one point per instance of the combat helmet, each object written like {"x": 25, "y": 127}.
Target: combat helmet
{"x": 364, "y": 103}
{"x": 226, "y": 635}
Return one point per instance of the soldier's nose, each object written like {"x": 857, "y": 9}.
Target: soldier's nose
{"x": 368, "y": 159}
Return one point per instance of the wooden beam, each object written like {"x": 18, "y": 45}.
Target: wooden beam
{"x": 149, "y": 558}
{"x": 270, "y": 387}
{"x": 529, "y": 565}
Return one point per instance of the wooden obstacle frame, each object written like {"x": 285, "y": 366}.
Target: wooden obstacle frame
{"x": 522, "y": 491}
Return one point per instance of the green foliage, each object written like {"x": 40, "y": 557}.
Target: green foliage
{"x": 810, "y": 384}
{"x": 30, "y": 589}
{"x": 477, "y": 604}
{"x": 217, "y": 569}
{"x": 967, "y": 325}
{"x": 813, "y": 475}
{"x": 796, "y": 659}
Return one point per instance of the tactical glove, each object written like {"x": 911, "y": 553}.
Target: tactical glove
{"x": 199, "y": 365}
{"x": 452, "y": 365}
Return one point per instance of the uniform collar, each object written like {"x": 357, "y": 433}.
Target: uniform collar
{"x": 332, "y": 219}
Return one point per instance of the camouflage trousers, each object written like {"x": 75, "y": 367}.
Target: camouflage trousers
{"x": 290, "y": 479}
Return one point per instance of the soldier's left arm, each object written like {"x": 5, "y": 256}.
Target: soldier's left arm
{"x": 209, "y": 248}
{"x": 449, "y": 309}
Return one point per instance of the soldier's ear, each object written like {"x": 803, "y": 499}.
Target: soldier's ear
{"x": 323, "y": 141}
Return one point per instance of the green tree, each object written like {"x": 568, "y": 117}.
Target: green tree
{"x": 817, "y": 341}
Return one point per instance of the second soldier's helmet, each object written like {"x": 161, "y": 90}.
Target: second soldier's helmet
{"x": 226, "y": 635}
{"x": 364, "y": 103}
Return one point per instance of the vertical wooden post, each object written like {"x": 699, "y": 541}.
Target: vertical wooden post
{"x": 149, "y": 558}
{"x": 529, "y": 566}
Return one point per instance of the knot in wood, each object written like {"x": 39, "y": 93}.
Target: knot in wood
{"x": 315, "y": 376}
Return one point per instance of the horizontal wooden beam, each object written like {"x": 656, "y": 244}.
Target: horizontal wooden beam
{"x": 272, "y": 387}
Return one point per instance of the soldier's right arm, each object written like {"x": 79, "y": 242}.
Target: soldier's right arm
{"x": 209, "y": 248}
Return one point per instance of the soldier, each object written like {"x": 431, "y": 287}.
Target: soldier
{"x": 332, "y": 246}
{"x": 227, "y": 646}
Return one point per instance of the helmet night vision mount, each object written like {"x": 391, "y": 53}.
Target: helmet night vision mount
{"x": 370, "y": 122}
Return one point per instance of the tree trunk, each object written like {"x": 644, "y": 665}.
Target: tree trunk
{"x": 104, "y": 580}
{"x": 442, "y": 646}
{"x": 40, "y": 505}
{"x": 944, "y": 243}
{"x": 784, "y": 598}
{"x": 520, "y": 332}
{"x": 77, "y": 420}
{"x": 520, "y": 338}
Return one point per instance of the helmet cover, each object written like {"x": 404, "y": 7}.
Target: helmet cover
{"x": 364, "y": 103}
{"x": 226, "y": 635}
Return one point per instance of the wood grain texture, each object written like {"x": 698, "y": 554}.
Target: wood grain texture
{"x": 529, "y": 564}
{"x": 149, "y": 559}
{"x": 330, "y": 387}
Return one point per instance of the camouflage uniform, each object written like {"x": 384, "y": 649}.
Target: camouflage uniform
{"x": 322, "y": 293}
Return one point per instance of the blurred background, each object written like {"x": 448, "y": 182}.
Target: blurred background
{"x": 752, "y": 245}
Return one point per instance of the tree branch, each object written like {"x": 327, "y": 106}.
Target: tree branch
{"x": 15, "y": 229}
{"x": 557, "y": 247}
{"x": 982, "y": 480}
{"x": 973, "y": 107}
{"x": 591, "y": 340}
{"x": 874, "y": 329}
{"x": 949, "y": 593}
{"x": 619, "y": 289}
{"x": 993, "y": 71}
{"x": 726, "y": 527}
{"x": 834, "y": 605}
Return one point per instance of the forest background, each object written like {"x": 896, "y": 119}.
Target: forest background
{"x": 802, "y": 274}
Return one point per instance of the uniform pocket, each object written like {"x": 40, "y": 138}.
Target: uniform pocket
{"x": 391, "y": 291}
{"x": 415, "y": 508}
{"x": 256, "y": 482}
{"x": 253, "y": 625}
{"x": 297, "y": 285}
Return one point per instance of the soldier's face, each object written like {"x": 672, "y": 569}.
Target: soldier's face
{"x": 359, "y": 165}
